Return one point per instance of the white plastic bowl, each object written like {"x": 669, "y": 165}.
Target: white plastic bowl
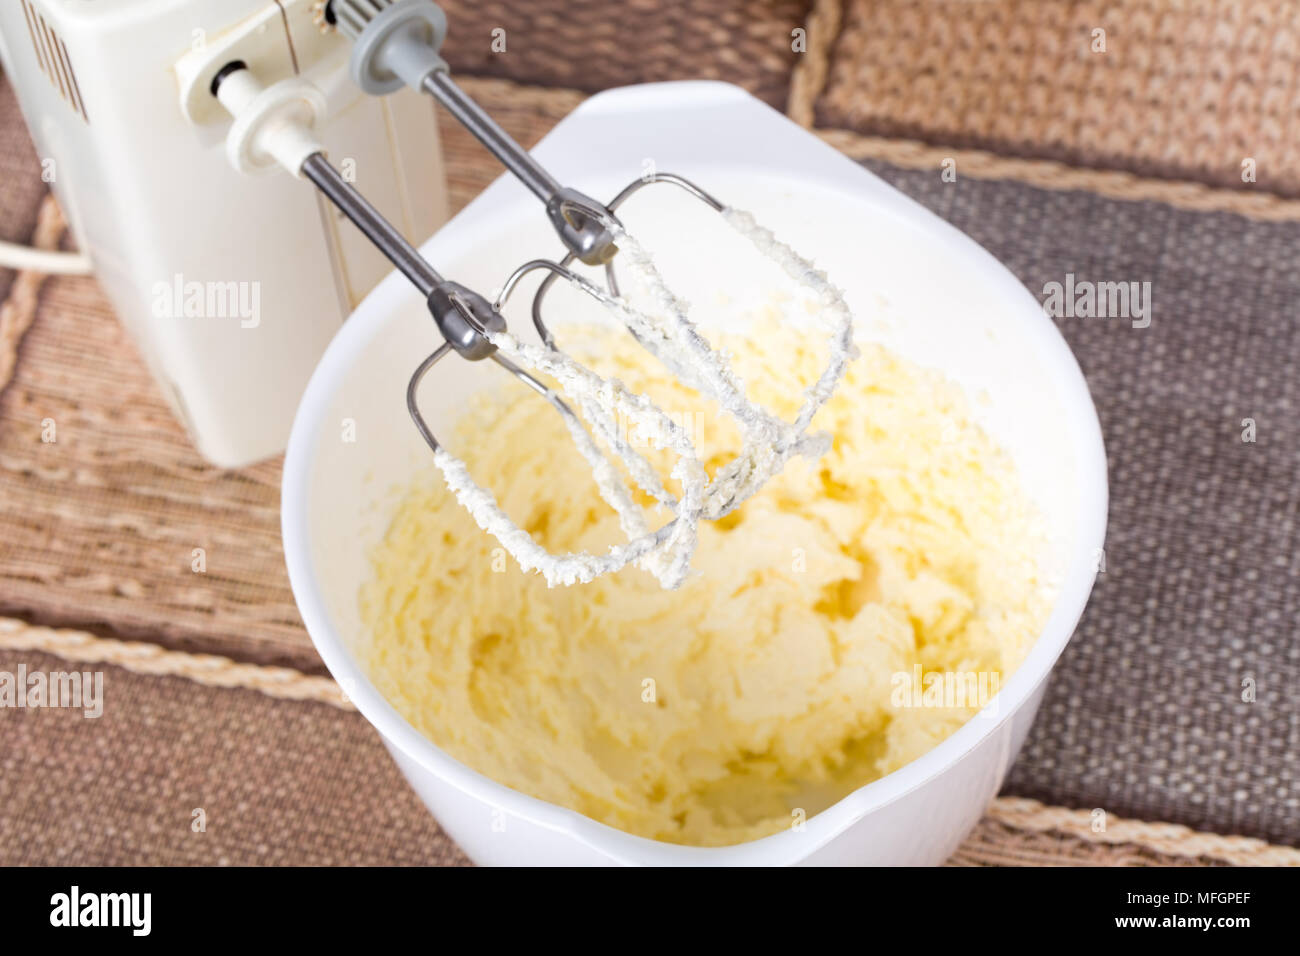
{"x": 946, "y": 304}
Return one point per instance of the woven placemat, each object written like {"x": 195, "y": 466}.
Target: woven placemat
{"x": 277, "y": 782}
{"x": 20, "y": 174}
{"x": 591, "y": 45}
{"x": 98, "y": 527}
{"x": 1172, "y": 89}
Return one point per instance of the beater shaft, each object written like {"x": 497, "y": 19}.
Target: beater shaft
{"x": 367, "y": 218}
{"x": 578, "y": 219}
{"x": 487, "y": 131}
{"x": 273, "y": 126}
{"x": 463, "y": 316}
{"x": 396, "y": 42}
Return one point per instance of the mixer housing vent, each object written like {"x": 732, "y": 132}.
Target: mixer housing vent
{"x": 52, "y": 55}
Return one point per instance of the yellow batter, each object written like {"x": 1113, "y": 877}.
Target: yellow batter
{"x": 776, "y": 679}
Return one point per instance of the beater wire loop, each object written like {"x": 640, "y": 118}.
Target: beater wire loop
{"x": 664, "y": 552}
{"x": 667, "y": 331}
{"x": 664, "y": 327}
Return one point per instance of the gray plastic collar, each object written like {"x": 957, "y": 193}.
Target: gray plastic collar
{"x": 399, "y": 47}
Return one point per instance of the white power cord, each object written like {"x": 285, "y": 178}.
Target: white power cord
{"x": 25, "y": 258}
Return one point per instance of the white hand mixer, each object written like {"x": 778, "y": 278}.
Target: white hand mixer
{"x": 396, "y": 43}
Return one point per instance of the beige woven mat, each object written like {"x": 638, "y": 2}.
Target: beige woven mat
{"x": 21, "y": 189}
{"x": 591, "y": 45}
{"x": 1181, "y": 90}
{"x": 280, "y": 770}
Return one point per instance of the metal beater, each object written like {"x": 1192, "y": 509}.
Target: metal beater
{"x": 396, "y": 42}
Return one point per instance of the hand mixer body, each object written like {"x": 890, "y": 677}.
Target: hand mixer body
{"x": 265, "y": 274}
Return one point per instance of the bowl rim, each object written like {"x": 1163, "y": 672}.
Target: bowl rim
{"x": 779, "y": 848}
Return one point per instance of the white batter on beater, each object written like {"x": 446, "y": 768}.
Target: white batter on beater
{"x": 666, "y": 329}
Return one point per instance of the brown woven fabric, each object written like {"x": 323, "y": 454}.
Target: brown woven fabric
{"x": 98, "y": 527}
{"x": 589, "y": 45}
{"x": 18, "y": 309}
{"x": 21, "y": 189}
{"x": 1183, "y": 90}
{"x": 278, "y": 782}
